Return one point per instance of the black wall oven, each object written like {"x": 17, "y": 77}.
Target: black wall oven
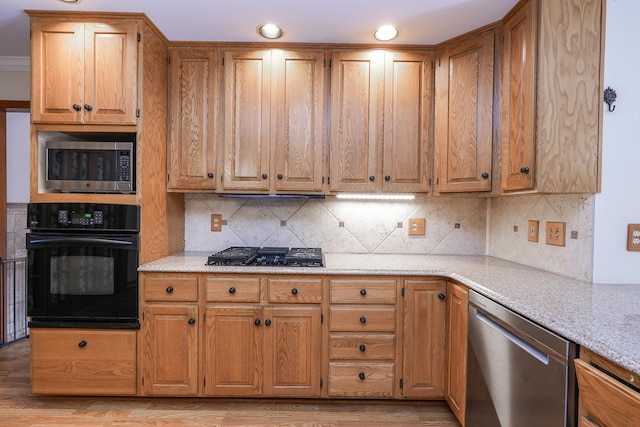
{"x": 82, "y": 265}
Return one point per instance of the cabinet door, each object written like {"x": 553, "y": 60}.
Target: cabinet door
{"x": 292, "y": 351}
{"x": 246, "y": 120}
{"x": 233, "y": 351}
{"x": 464, "y": 115}
{"x": 192, "y": 145}
{"x": 456, "y": 375}
{"x": 518, "y": 99}
{"x": 170, "y": 350}
{"x": 357, "y": 89}
{"x": 424, "y": 338}
{"x": 57, "y": 74}
{"x": 110, "y": 91}
{"x": 407, "y": 122}
{"x": 297, "y": 119}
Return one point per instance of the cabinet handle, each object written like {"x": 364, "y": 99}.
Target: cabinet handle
{"x": 264, "y": 176}
{"x": 232, "y": 290}
{"x": 441, "y": 295}
{"x": 524, "y": 170}
{"x": 372, "y": 178}
{"x": 362, "y": 348}
{"x": 363, "y": 319}
{"x": 387, "y": 178}
{"x": 267, "y": 322}
{"x": 363, "y": 292}
{"x": 361, "y": 376}
{"x": 77, "y": 107}
{"x": 485, "y": 175}
{"x": 82, "y": 344}
{"x": 256, "y": 322}
{"x": 192, "y": 321}
{"x": 88, "y": 107}
{"x": 294, "y": 291}
{"x": 169, "y": 289}
{"x": 210, "y": 175}
{"x": 280, "y": 176}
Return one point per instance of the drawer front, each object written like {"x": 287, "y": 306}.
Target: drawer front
{"x": 176, "y": 287}
{"x": 362, "y": 291}
{"x": 361, "y": 379}
{"x": 605, "y": 401}
{"x": 362, "y": 347}
{"x": 302, "y": 291}
{"x": 232, "y": 289}
{"x": 362, "y": 319}
{"x": 91, "y": 362}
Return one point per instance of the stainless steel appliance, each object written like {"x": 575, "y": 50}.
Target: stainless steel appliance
{"x": 272, "y": 256}
{"x": 90, "y": 166}
{"x": 82, "y": 262}
{"x": 518, "y": 374}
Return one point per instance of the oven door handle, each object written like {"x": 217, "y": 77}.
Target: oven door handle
{"x": 65, "y": 240}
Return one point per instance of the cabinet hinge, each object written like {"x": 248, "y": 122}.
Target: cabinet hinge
{"x": 137, "y": 112}
{"x": 169, "y": 60}
{"x": 330, "y": 63}
{"x": 168, "y": 177}
{"x": 139, "y": 37}
{"x": 429, "y": 181}
{"x": 324, "y": 64}
{"x": 142, "y": 380}
{"x": 320, "y": 382}
{"x": 328, "y": 180}
{"x": 403, "y": 292}
{"x": 401, "y": 383}
{"x": 321, "y": 317}
{"x": 439, "y": 62}
{"x": 205, "y": 381}
{"x": 223, "y": 60}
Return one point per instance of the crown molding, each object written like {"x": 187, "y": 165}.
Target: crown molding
{"x": 14, "y": 63}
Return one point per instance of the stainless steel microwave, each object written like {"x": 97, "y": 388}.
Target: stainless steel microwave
{"x": 90, "y": 166}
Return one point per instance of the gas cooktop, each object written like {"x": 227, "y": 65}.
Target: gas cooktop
{"x": 268, "y": 256}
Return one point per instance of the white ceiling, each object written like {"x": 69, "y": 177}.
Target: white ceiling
{"x": 425, "y": 22}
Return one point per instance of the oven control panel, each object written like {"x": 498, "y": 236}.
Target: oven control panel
{"x": 80, "y": 218}
{"x": 100, "y": 217}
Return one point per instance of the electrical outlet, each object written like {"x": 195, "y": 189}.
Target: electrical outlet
{"x": 556, "y": 233}
{"x": 216, "y": 222}
{"x": 534, "y": 229}
{"x": 417, "y": 226}
{"x": 633, "y": 237}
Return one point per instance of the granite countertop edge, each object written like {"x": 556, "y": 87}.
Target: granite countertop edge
{"x": 601, "y": 317}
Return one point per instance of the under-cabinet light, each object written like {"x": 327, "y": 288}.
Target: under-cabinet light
{"x": 359, "y": 196}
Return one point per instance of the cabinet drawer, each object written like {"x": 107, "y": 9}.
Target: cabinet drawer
{"x": 302, "y": 291}
{"x": 362, "y": 318}
{"x": 174, "y": 287}
{"x": 362, "y": 291}
{"x": 361, "y": 379}
{"x": 362, "y": 347}
{"x": 83, "y": 361}
{"x": 604, "y": 401}
{"x": 232, "y": 289}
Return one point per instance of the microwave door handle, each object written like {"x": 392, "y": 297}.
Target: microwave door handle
{"x": 58, "y": 240}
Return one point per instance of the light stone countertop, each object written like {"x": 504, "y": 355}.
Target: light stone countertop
{"x": 604, "y": 318}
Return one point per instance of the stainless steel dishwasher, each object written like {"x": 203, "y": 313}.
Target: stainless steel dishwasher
{"x": 518, "y": 373}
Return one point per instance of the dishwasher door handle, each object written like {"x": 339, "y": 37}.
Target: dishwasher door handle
{"x": 515, "y": 339}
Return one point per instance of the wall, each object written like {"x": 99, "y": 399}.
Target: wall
{"x": 18, "y": 157}
{"x": 14, "y": 78}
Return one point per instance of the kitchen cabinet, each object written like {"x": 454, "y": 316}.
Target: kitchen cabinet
{"x": 424, "y": 338}
{"x": 552, "y": 97}
{"x": 192, "y": 156}
{"x": 83, "y": 361}
{"x": 456, "y": 350}
{"x": 463, "y": 135}
{"x": 381, "y": 103}
{"x": 608, "y": 395}
{"x": 263, "y": 336}
{"x": 363, "y": 350}
{"x": 273, "y": 120}
{"x": 170, "y": 332}
{"x": 84, "y": 72}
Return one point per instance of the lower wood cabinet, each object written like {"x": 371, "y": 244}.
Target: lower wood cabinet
{"x": 83, "y": 361}
{"x": 456, "y": 364}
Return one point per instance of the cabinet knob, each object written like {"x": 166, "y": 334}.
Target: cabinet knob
{"x": 256, "y": 322}
{"x": 524, "y": 170}
{"x": 361, "y": 376}
{"x": 387, "y": 178}
{"x": 280, "y": 176}
{"x": 82, "y": 344}
{"x": 192, "y": 321}
{"x": 362, "y": 348}
{"x": 169, "y": 289}
{"x": 88, "y": 107}
{"x": 363, "y": 319}
{"x": 372, "y": 178}
{"x": 294, "y": 291}
{"x": 485, "y": 175}
{"x": 210, "y": 175}
{"x": 77, "y": 107}
{"x": 441, "y": 295}
{"x": 267, "y": 322}
{"x": 232, "y": 290}
{"x": 363, "y": 292}
{"x": 264, "y": 176}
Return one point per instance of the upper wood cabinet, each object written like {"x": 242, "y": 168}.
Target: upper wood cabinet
{"x": 273, "y": 120}
{"x": 463, "y": 141}
{"x": 380, "y": 121}
{"x": 552, "y": 97}
{"x": 192, "y": 112}
{"x": 84, "y": 72}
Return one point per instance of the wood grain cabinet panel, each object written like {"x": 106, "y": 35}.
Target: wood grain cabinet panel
{"x": 456, "y": 362}
{"x": 232, "y": 289}
{"x": 170, "y": 287}
{"x": 363, "y": 379}
{"x": 362, "y": 291}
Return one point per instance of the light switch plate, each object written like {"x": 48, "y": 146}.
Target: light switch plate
{"x": 417, "y": 226}
{"x": 633, "y": 237}
{"x": 533, "y": 230}
{"x": 556, "y": 233}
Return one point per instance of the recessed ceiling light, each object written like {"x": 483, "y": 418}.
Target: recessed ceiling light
{"x": 386, "y": 33}
{"x": 270, "y": 31}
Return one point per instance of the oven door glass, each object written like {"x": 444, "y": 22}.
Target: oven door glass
{"x": 73, "y": 277}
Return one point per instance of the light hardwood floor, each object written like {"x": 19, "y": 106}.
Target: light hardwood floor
{"x": 19, "y": 408}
